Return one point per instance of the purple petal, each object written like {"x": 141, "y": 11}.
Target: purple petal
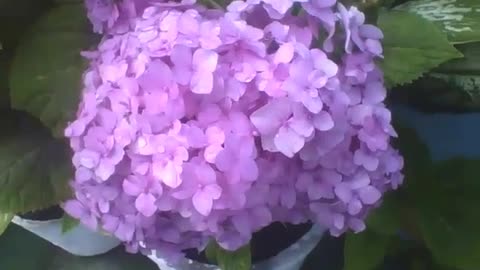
{"x": 145, "y": 204}
{"x": 132, "y": 186}
{"x": 288, "y": 142}
{"x": 202, "y": 201}
{"x": 369, "y": 195}
{"x": 323, "y": 121}
{"x": 202, "y": 82}
{"x": 271, "y": 116}
{"x": 343, "y": 192}
{"x": 125, "y": 231}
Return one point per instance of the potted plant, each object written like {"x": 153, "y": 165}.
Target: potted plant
{"x": 201, "y": 128}
{"x": 34, "y": 160}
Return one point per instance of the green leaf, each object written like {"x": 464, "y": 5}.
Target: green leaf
{"x": 15, "y": 18}
{"x": 459, "y": 19}
{"x": 450, "y": 218}
{"x": 211, "y": 252}
{"x": 5, "y": 221}
{"x": 417, "y": 160}
{"x": 365, "y": 251}
{"x": 412, "y": 47}
{"x": 45, "y": 78}
{"x": 68, "y": 223}
{"x": 34, "y": 168}
{"x": 240, "y": 259}
{"x": 23, "y": 250}
{"x": 116, "y": 259}
{"x": 387, "y": 218}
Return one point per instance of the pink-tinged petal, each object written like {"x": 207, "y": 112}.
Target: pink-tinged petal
{"x": 284, "y": 54}
{"x": 104, "y": 206}
{"x": 288, "y": 142}
{"x": 203, "y": 203}
{"x": 188, "y": 24}
{"x": 169, "y": 175}
{"x": 142, "y": 146}
{"x": 215, "y": 135}
{"x": 211, "y": 152}
{"x": 112, "y": 73}
{"x": 204, "y": 60}
{"x": 369, "y": 195}
{"x": 214, "y": 190}
{"x": 132, "y": 186}
{"x": 202, "y": 82}
{"x": 323, "y": 121}
{"x": 145, "y": 204}
{"x": 269, "y": 118}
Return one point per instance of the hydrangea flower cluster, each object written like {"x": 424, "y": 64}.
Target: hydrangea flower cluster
{"x": 199, "y": 124}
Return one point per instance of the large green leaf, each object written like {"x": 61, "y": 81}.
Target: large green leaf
{"x": 459, "y": 19}
{"x": 450, "y": 218}
{"x": 34, "y": 168}
{"x": 22, "y": 250}
{"x": 365, "y": 251}
{"x": 116, "y": 259}
{"x": 45, "y": 77}
{"x": 387, "y": 218}
{"x": 5, "y": 221}
{"x": 412, "y": 46}
{"x": 15, "y": 17}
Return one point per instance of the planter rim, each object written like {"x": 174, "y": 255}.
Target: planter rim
{"x": 79, "y": 241}
{"x": 290, "y": 258}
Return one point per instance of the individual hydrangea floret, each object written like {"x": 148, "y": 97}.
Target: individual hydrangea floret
{"x": 199, "y": 124}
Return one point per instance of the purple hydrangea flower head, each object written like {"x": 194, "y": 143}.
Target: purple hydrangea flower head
{"x": 199, "y": 124}
{"x": 114, "y": 16}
